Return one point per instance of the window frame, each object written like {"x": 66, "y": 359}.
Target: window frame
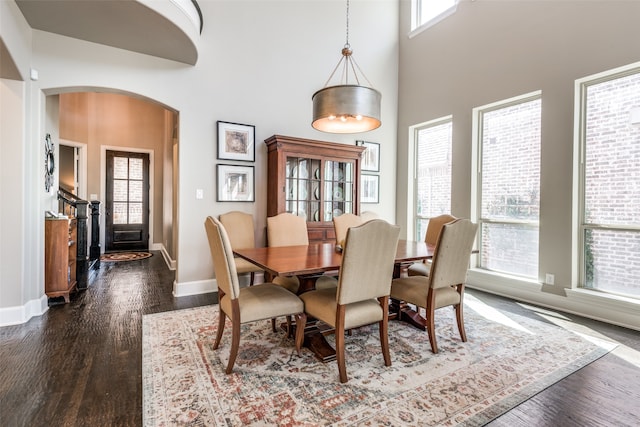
{"x": 476, "y": 197}
{"x": 416, "y": 133}
{"x": 580, "y": 134}
{"x": 418, "y": 26}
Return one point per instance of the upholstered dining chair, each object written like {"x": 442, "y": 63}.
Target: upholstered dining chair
{"x": 239, "y": 226}
{"x": 342, "y": 223}
{"x": 431, "y": 237}
{"x": 248, "y": 304}
{"x": 362, "y": 294}
{"x": 445, "y": 284}
{"x": 286, "y": 229}
{"x": 368, "y": 216}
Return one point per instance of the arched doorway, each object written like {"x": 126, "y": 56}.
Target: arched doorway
{"x": 126, "y": 122}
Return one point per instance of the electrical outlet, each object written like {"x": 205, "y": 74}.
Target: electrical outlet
{"x": 199, "y": 194}
{"x": 550, "y": 279}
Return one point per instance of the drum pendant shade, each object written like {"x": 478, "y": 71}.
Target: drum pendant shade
{"x": 344, "y": 107}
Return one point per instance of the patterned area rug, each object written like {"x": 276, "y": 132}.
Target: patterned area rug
{"x": 124, "y": 256}
{"x": 507, "y": 359}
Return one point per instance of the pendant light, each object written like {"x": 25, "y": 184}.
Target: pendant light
{"x": 347, "y": 107}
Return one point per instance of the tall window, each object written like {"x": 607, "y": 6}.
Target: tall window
{"x": 610, "y": 172}
{"x": 432, "y": 173}
{"x": 509, "y": 185}
{"x": 428, "y": 12}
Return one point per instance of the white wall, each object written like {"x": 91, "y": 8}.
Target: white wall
{"x": 259, "y": 63}
{"x": 493, "y": 50}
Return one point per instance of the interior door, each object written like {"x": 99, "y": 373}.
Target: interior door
{"x": 127, "y": 202}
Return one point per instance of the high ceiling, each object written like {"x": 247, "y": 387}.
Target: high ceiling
{"x": 126, "y": 24}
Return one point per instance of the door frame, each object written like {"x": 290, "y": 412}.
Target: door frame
{"x": 103, "y": 188}
{"x": 81, "y": 170}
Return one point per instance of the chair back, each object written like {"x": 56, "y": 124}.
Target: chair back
{"x": 434, "y": 227}
{"x": 452, "y": 252}
{"x": 239, "y": 227}
{"x": 286, "y": 229}
{"x": 367, "y": 261}
{"x": 222, "y": 255}
{"x": 342, "y": 223}
{"x": 368, "y": 216}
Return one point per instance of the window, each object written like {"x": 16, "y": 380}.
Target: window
{"x": 610, "y": 181}
{"x": 432, "y": 172}
{"x": 509, "y": 185}
{"x": 425, "y": 13}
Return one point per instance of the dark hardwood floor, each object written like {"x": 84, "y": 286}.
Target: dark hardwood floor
{"x": 80, "y": 364}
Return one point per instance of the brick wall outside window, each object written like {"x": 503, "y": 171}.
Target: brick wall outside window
{"x": 612, "y": 186}
{"x": 510, "y": 187}
{"x": 433, "y": 172}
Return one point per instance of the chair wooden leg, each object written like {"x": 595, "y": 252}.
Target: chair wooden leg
{"x": 273, "y": 324}
{"x": 221, "y": 321}
{"x": 301, "y": 322}
{"x": 384, "y": 331}
{"x": 460, "y": 314}
{"x": 342, "y": 369}
{"x": 289, "y": 330}
{"x": 431, "y": 329}
{"x": 235, "y": 343}
{"x": 460, "y": 319}
{"x": 235, "y": 334}
{"x": 253, "y": 276}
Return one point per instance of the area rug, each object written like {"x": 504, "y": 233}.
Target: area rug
{"x": 124, "y": 256}
{"x": 507, "y": 359}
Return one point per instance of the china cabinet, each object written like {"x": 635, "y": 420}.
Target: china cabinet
{"x": 316, "y": 180}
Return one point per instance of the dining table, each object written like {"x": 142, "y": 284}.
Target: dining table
{"x": 308, "y": 262}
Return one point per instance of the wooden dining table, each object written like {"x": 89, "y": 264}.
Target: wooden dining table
{"x": 308, "y": 262}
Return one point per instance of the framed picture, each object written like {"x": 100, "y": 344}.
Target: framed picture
{"x": 235, "y": 183}
{"x": 370, "y": 190}
{"x": 236, "y": 142}
{"x": 370, "y": 156}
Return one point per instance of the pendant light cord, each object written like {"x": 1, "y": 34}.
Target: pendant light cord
{"x": 349, "y": 61}
{"x": 347, "y": 45}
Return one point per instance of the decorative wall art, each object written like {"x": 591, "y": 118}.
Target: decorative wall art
{"x": 370, "y": 191}
{"x": 235, "y": 183}
{"x": 236, "y": 142}
{"x": 370, "y": 156}
{"x": 49, "y": 163}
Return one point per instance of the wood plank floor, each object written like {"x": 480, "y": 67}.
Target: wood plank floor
{"x": 80, "y": 364}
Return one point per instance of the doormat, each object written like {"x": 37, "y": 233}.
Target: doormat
{"x": 124, "y": 256}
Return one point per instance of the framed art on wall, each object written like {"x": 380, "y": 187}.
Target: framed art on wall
{"x": 235, "y": 183}
{"x": 370, "y": 156}
{"x": 236, "y": 142}
{"x": 370, "y": 191}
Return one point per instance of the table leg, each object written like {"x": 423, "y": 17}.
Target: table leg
{"x": 314, "y": 340}
{"x": 405, "y": 313}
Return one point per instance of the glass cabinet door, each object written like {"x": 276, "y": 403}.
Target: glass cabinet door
{"x": 318, "y": 190}
{"x": 302, "y": 187}
{"x": 338, "y": 189}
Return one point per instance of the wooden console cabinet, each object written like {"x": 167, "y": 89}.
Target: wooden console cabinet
{"x": 313, "y": 179}
{"x": 60, "y": 235}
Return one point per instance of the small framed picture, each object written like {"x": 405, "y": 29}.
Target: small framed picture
{"x": 235, "y": 183}
{"x": 370, "y": 156}
{"x": 370, "y": 189}
{"x": 236, "y": 142}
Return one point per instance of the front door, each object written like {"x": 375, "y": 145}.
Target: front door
{"x": 127, "y": 202}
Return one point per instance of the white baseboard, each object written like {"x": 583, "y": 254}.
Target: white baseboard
{"x": 171, "y": 263}
{"x": 196, "y": 287}
{"x": 619, "y": 311}
{"x": 21, "y": 314}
